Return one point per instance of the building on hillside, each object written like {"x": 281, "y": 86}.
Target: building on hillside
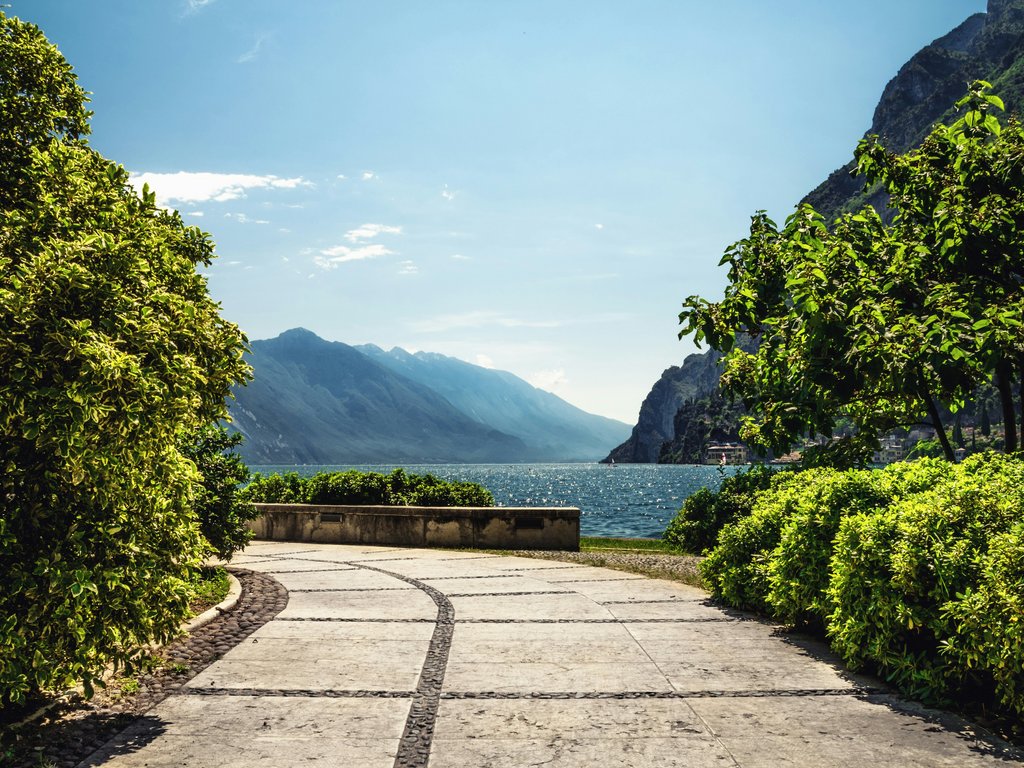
{"x": 726, "y": 453}
{"x": 893, "y": 449}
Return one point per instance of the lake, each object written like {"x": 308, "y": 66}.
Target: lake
{"x": 629, "y": 500}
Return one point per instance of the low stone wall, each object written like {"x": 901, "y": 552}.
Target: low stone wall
{"x": 481, "y": 527}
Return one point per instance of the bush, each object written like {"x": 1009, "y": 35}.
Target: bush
{"x": 907, "y": 579}
{"x": 736, "y": 570}
{"x": 366, "y": 488}
{"x": 221, "y": 511}
{"x": 798, "y": 569}
{"x": 695, "y": 528}
{"x": 988, "y": 620}
{"x": 111, "y": 350}
{"x": 915, "y": 571}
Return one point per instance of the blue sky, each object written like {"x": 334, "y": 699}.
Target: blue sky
{"x": 531, "y": 185}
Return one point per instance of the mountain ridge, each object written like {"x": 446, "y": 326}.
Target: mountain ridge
{"x": 323, "y": 402}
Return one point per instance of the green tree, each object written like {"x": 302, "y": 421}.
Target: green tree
{"x": 112, "y": 351}
{"x": 882, "y": 324}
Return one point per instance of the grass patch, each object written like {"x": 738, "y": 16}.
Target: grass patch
{"x": 210, "y": 588}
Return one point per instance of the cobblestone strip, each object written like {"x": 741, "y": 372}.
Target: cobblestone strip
{"x": 414, "y": 747}
{"x": 77, "y": 730}
{"x": 539, "y": 568}
{"x": 555, "y": 695}
{"x": 306, "y": 693}
{"x": 632, "y": 695}
{"x": 646, "y": 602}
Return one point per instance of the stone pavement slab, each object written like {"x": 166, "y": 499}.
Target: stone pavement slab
{"x": 400, "y": 657}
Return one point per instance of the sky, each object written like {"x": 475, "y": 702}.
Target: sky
{"x": 529, "y": 185}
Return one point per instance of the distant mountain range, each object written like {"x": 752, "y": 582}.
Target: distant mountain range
{"x": 313, "y": 401}
{"x": 986, "y": 46}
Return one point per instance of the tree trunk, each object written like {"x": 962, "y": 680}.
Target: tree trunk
{"x": 1020, "y": 391}
{"x": 1004, "y": 376}
{"x": 940, "y": 431}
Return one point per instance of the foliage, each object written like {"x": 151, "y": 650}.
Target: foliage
{"x": 916, "y": 570}
{"x": 736, "y": 569}
{"x": 695, "y": 527}
{"x": 366, "y": 488}
{"x": 222, "y": 513}
{"x": 210, "y": 586}
{"x": 799, "y": 566}
{"x": 111, "y": 350}
{"x": 877, "y": 323}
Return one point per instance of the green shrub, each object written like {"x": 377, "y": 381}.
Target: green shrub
{"x": 222, "y": 513}
{"x": 111, "y": 350}
{"x": 988, "y": 620}
{"x": 915, "y": 571}
{"x": 905, "y": 578}
{"x": 736, "y": 570}
{"x": 798, "y": 569}
{"x": 288, "y": 488}
{"x": 695, "y": 528}
{"x": 367, "y": 488}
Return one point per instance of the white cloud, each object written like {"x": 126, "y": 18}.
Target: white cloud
{"x": 342, "y": 176}
{"x": 599, "y": 226}
{"x": 370, "y": 231}
{"x": 369, "y": 176}
{"x": 192, "y": 6}
{"x": 241, "y": 218}
{"x": 408, "y": 268}
{"x": 447, "y": 194}
{"x": 200, "y": 186}
{"x": 551, "y": 381}
{"x": 332, "y": 258}
{"x": 254, "y": 51}
{"x": 200, "y": 214}
{"x": 477, "y": 319}
{"x": 484, "y": 361}
{"x": 460, "y": 257}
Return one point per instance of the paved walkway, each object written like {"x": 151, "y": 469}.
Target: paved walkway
{"x": 387, "y": 657}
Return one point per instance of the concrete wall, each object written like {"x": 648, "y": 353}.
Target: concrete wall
{"x": 483, "y": 527}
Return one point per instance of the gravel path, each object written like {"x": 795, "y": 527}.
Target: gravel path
{"x": 661, "y": 566}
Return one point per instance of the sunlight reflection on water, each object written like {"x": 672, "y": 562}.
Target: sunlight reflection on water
{"x": 631, "y": 500}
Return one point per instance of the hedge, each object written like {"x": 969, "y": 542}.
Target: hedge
{"x": 366, "y": 488}
{"x": 915, "y": 571}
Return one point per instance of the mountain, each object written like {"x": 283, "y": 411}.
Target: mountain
{"x": 552, "y": 429}
{"x": 319, "y": 402}
{"x": 987, "y": 46}
{"x": 656, "y": 424}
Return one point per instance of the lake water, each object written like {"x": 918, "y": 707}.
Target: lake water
{"x": 629, "y": 500}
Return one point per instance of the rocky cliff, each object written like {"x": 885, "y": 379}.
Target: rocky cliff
{"x": 987, "y": 46}
{"x": 656, "y": 425}
{"x": 683, "y": 409}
